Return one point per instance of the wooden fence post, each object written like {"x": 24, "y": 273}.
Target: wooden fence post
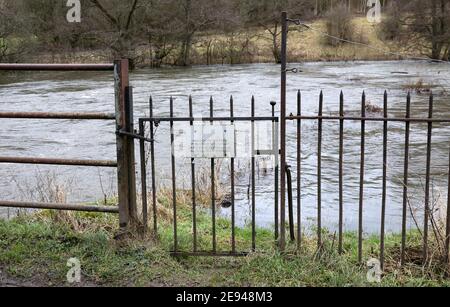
{"x": 125, "y": 146}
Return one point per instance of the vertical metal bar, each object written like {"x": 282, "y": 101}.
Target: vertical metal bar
{"x": 213, "y": 187}
{"x": 194, "y": 200}
{"x": 447, "y": 236}
{"x": 284, "y": 33}
{"x": 341, "y": 173}
{"x": 143, "y": 176}
{"x": 319, "y": 173}
{"x": 383, "y": 201}
{"x": 299, "y": 171}
{"x": 174, "y": 179}
{"x": 253, "y": 178}
{"x": 428, "y": 181}
{"x": 153, "y": 170}
{"x": 277, "y": 173}
{"x": 406, "y": 178}
{"x": 361, "y": 181}
{"x": 233, "y": 192}
{"x": 130, "y": 155}
{"x": 291, "y": 204}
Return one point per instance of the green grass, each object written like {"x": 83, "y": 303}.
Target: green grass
{"x": 36, "y": 248}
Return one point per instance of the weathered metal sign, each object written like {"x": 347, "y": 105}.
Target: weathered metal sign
{"x": 223, "y": 140}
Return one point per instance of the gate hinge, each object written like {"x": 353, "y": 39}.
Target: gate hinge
{"x": 133, "y": 135}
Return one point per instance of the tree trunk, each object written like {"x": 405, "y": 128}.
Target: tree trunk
{"x": 276, "y": 49}
{"x": 185, "y": 54}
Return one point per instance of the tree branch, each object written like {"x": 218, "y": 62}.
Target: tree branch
{"x": 130, "y": 14}
{"x": 105, "y": 12}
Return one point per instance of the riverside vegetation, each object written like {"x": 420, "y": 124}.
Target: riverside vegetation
{"x": 189, "y": 32}
{"x": 35, "y": 248}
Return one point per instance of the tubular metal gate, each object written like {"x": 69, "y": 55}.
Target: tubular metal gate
{"x": 125, "y": 140}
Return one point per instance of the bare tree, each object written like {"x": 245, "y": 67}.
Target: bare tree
{"x": 266, "y": 14}
{"x": 193, "y": 16}
{"x": 119, "y": 16}
{"x": 425, "y": 26}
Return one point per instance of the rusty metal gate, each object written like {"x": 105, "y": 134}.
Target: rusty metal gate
{"x": 284, "y": 219}
{"x": 154, "y": 122}
{"x": 123, "y": 117}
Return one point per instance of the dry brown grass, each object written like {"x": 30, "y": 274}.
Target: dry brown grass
{"x": 419, "y": 86}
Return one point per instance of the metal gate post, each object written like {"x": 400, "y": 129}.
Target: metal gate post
{"x": 125, "y": 146}
{"x": 284, "y": 23}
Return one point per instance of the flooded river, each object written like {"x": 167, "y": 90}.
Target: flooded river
{"x": 64, "y": 91}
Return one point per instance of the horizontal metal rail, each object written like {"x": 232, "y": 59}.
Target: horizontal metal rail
{"x": 46, "y": 115}
{"x": 54, "y": 206}
{"x": 57, "y": 67}
{"x": 208, "y": 119}
{"x": 207, "y": 254}
{"x": 65, "y": 162}
{"x": 374, "y": 119}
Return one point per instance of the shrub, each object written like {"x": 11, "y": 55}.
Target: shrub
{"x": 339, "y": 24}
{"x": 389, "y": 28}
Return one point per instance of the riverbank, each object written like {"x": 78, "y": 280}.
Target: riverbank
{"x": 256, "y": 46}
{"x": 34, "y": 251}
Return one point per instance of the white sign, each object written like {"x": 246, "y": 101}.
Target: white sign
{"x": 222, "y": 140}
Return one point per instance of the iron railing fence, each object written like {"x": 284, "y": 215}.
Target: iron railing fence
{"x": 363, "y": 119}
{"x": 232, "y": 119}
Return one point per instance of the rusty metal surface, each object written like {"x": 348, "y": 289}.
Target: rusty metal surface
{"x": 153, "y": 171}
{"x": 253, "y": 167}
{"x": 277, "y": 178}
{"x": 65, "y": 162}
{"x": 428, "y": 212}
{"x": 57, "y": 67}
{"x": 372, "y": 119}
{"x": 290, "y": 204}
{"x": 194, "y": 188}
{"x": 143, "y": 176}
{"x": 384, "y": 188}
{"x": 405, "y": 178}
{"x": 233, "y": 190}
{"x": 319, "y": 172}
{"x": 299, "y": 171}
{"x": 216, "y": 250}
{"x": 46, "y": 115}
{"x": 125, "y": 143}
{"x": 210, "y": 119}
{"x": 341, "y": 174}
{"x": 54, "y": 206}
{"x": 361, "y": 179}
{"x": 283, "y": 156}
{"x": 174, "y": 181}
{"x": 207, "y": 254}
{"x": 213, "y": 188}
